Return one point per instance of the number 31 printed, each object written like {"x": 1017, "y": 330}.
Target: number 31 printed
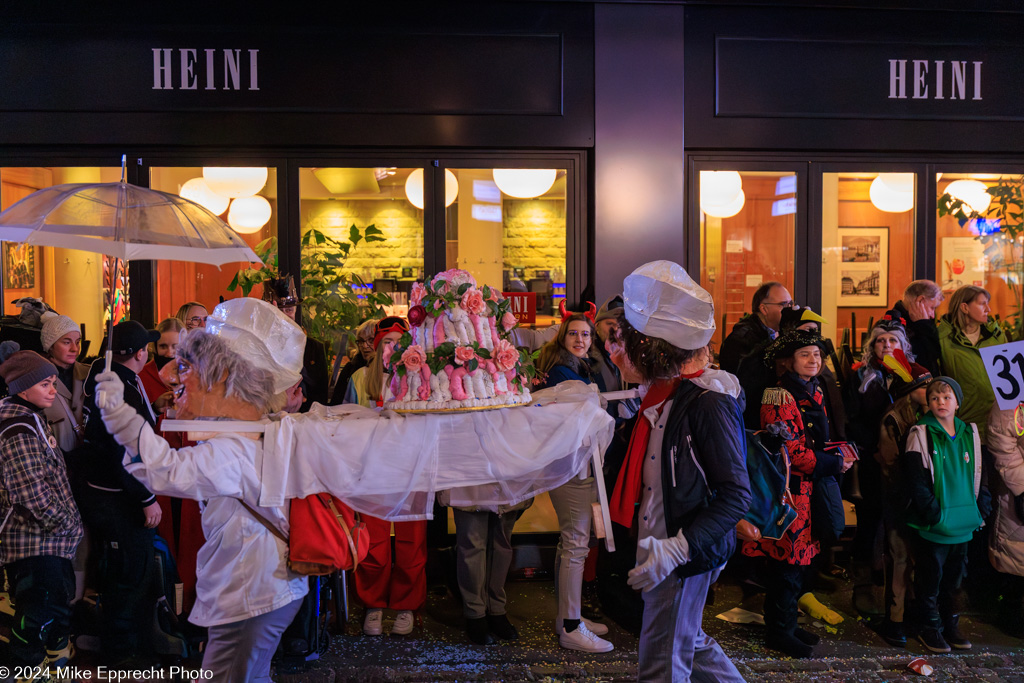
{"x": 1005, "y": 367}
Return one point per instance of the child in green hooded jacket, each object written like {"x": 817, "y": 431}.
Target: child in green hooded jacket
{"x": 942, "y": 463}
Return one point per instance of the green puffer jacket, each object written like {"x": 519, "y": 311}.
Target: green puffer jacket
{"x": 962, "y": 361}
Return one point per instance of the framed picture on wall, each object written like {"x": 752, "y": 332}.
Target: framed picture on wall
{"x": 864, "y": 266}
{"x": 406, "y": 272}
{"x": 19, "y": 266}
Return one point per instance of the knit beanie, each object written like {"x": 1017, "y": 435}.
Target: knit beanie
{"x": 952, "y": 384}
{"x": 22, "y": 370}
{"x": 54, "y": 327}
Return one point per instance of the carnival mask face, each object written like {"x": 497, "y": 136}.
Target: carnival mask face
{"x": 192, "y": 400}
{"x": 617, "y": 351}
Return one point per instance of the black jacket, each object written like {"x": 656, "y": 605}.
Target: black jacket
{"x": 314, "y": 374}
{"x": 746, "y": 335}
{"x": 923, "y": 336}
{"x": 704, "y": 475}
{"x": 101, "y": 458}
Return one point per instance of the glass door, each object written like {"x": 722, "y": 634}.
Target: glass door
{"x": 749, "y": 234}
{"x": 869, "y": 240}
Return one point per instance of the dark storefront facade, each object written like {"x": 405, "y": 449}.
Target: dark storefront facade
{"x": 803, "y": 104}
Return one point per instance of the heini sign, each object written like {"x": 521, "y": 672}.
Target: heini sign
{"x": 960, "y": 77}
{"x": 194, "y": 69}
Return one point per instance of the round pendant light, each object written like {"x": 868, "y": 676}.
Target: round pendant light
{"x": 721, "y": 193}
{"x": 892, "y": 192}
{"x": 414, "y": 187}
{"x": 235, "y": 182}
{"x": 198, "y": 191}
{"x": 973, "y": 193}
{"x": 249, "y": 214}
{"x": 524, "y": 183}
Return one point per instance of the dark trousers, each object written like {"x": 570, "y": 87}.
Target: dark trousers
{"x": 41, "y": 588}
{"x": 126, "y": 576}
{"x": 938, "y": 570}
{"x": 783, "y": 588}
{"x": 866, "y": 546}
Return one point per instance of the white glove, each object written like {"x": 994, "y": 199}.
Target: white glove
{"x": 109, "y": 391}
{"x": 663, "y": 556}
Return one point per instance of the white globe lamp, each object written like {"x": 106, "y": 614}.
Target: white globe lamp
{"x": 198, "y": 191}
{"x": 235, "y": 182}
{"x": 892, "y": 192}
{"x": 414, "y": 188}
{"x": 973, "y": 193}
{"x": 524, "y": 183}
{"x": 249, "y": 214}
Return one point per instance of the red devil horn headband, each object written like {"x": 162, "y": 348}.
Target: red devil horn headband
{"x": 591, "y": 312}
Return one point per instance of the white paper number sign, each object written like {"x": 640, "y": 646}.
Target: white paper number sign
{"x": 1005, "y": 367}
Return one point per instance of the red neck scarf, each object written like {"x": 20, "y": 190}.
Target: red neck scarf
{"x": 629, "y": 484}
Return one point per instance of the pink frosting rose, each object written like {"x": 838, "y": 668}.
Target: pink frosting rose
{"x": 473, "y": 301}
{"x": 464, "y": 354}
{"x": 508, "y": 321}
{"x": 417, "y": 293}
{"x": 505, "y": 356}
{"x": 413, "y": 358}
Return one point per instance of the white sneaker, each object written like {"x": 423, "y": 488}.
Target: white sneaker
{"x": 584, "y": 640}
{"x": 372, "y": 623}
{"x": 403, "y": 623}
{"x": 594, "y": 627}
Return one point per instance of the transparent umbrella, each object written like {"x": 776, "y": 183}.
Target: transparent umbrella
{"x": 124, "y": 221}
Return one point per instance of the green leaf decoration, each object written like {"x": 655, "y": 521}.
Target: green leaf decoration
{"x": 445, "y": 349}
{"x": 463, "y": 288}
{"x": 472, "y": 365}
{"x": 483, "y": 353}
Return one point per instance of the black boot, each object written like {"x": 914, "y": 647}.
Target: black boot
{"x": 806, "y": 636}
{"x": 892, "y": 633}
{"x": 932, "y": 639}
{"x": 951, "y": 633}
{"x": 479, "y": 632}
{"x": 502, "y": 627}
{"x": 788, "y": 644}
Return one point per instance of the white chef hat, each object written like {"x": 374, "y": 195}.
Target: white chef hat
{"x": 662, "y": 300}
{"x": 263, "y": 335}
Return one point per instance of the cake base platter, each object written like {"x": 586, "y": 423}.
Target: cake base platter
{"x": 453, "y": 411}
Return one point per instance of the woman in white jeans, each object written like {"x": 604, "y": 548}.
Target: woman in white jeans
{"x": 567, "y": 357}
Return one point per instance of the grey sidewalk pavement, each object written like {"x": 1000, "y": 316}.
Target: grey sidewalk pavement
{"x": 439, "y": 651}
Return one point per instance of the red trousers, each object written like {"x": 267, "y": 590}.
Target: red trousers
{"x": 403, "y": 585}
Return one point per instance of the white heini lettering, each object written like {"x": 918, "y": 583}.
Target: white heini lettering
{"x": 231, "y": 69}
{"x": 188, "y": 63}
{"x": 959, "y": 74}
{"x": 253, "y": 70}
{"x": 162, "y": 68}
{"x": 190, "y": 71}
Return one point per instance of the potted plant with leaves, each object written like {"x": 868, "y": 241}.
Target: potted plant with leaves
{"x": 331, "y": 306}
{"x": 1002, "y": 237}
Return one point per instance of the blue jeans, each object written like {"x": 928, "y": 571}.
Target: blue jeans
{"x": 673, "y": 646}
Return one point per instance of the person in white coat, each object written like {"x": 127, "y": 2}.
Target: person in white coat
{"x": 239, "y": 367}
{"x": 1006, "y": 540}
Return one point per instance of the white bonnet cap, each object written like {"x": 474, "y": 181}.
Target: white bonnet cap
{"x": 662, "y": 300}
{"x": 263, "y": 335}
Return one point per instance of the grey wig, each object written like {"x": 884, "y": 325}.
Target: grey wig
{"x": 213, "y": 358}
